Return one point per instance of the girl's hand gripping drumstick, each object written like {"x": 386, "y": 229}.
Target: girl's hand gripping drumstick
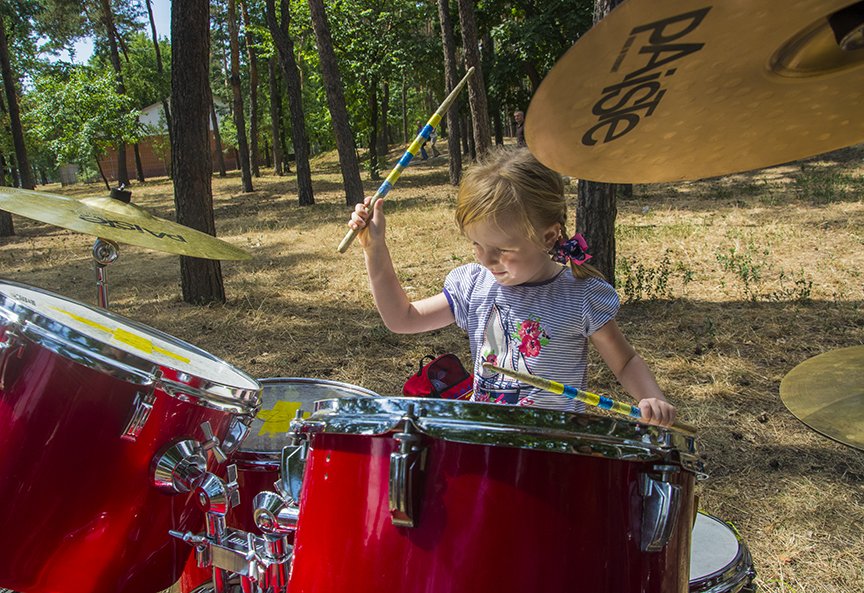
{"x": 587, "y": 397}
{"x": 422, "y": 137}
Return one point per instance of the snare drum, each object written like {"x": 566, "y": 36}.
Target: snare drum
{"x": 88, "y": 401}
{"x": 258, "y": 458}
{"x": 405, "y": 494}
{"x": 719, "y": 560}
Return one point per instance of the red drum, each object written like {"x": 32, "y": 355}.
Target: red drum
{"x": 88, "y": 401}
{"x": 719, "y": 560}
{"x": 259, "y": 457}
{"x": 405, "y": 494}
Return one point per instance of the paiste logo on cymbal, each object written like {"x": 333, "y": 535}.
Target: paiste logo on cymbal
{"x": 623, "y": 105}
{"x": 128, "y": 226}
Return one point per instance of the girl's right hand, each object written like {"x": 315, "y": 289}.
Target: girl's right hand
{"x": 369, "y": 227}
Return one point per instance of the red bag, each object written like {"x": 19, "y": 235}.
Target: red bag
{"x": 443, "y": 377}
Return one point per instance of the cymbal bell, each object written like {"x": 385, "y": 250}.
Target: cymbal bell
{"x": 117, "y": 221}
{"x": 826, "y": 393}
{"x": 666, "y": 90}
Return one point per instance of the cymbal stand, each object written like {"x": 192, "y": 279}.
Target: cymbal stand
{"x": 104, "y": 252}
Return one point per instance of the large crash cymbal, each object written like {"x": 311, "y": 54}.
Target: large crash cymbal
{"x": 118, "y": 221}
{"x": 666, "y": 90}
{"x": 826, "y": 393}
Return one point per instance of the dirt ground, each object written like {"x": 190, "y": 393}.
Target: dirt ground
{"x": 727, "y": 284}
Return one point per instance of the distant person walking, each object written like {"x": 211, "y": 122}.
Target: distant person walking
{"x": 519, "y": 118}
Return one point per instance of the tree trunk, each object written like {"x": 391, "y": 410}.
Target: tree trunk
{"x": 201, "y": 279}
{"x": 253, "y": 90}
{"x": 452, "y": 79}
{"x": 114, "y": 54}
{"x": 139, "y": 168}
{"x": 476, "y": 84}
{"x": 217, "y": 139}
{"x": 237, "y": 94}
{"x": 336, "y": 102}
{"x": 596, "y": 208}
{"x": 404, "y": 111}
{"x": 275, "y": 116}
{"x": 166, "y": 109}
{"x": 27, "y": 181}
{"x": 102, "y": 174}
{"x": 384, "y": 146}
{"x": 465, "y": 134}
{"x": 285, "y": 46}
{"x": 374, "y": 173}
{"x": 7, "y": 227}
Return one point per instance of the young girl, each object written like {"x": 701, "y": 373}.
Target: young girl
{"x": 522, "y": 309}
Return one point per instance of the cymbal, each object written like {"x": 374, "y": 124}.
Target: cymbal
{"x": 118, "y": 221}
{"x": 826, "y": 393}
{"x": 667, "y": 90}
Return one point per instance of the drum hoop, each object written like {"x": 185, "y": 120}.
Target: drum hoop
{"x": 732, "y": 577}
{"x": 120, "y": 364}
{"x": 503, "y": 425}
{"x": 310, "y": 380}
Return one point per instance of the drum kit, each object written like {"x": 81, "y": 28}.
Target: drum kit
{"x": 131, "y": 461}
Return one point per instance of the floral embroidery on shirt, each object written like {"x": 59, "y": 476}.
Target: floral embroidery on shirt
{"x": 532, "y": 337}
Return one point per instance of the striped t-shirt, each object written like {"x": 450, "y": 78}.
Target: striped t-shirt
{"x": 541, "y": 329}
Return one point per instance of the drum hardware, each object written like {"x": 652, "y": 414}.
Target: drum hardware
{"x": 406, "y": 472}
{"x": 237, "y": 431}
{"x": 183, "y": 466}
{"x": 143, "y": 406}
{"x": 105, "y": 252}
{"x": 260, "y": 562}
{"x": 661, "y": 503}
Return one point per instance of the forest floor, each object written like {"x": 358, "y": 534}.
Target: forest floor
{"x": 727, "y": 284}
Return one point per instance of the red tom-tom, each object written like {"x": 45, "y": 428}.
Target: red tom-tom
{"x": 258, "y": 458}
{"x": 404, "y": 494}
{"x": 89, "y": 401}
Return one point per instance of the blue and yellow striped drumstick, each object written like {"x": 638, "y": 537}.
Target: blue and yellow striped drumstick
{"x": 423, "y": 136}
{"x": 592, "y": 399}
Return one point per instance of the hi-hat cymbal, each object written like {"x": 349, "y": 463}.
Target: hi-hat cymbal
{"x": 826, "y": 393}
{"x": 115, "y": 220}
{"x": 665, "y": 90}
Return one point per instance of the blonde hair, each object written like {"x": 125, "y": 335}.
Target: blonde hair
{"x": 512, "y": 188}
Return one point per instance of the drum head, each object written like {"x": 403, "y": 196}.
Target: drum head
{"x": 131, "y": 351}
{"x": 281, "y": 398}
{"x": 717, "y": 556}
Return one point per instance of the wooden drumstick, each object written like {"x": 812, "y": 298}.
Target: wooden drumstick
{"x": 410, "y": 153}
{"x": 592, "y": 399}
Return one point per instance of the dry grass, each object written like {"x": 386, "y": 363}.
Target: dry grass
{"x": 761, "y": 271}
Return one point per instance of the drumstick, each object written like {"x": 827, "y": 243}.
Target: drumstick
{"x": 600, "y": 401}
{"x": 410, "y": 153}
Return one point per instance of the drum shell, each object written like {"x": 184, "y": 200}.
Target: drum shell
{"x": 492, "y": 519}
{"x": 77, "y": 505}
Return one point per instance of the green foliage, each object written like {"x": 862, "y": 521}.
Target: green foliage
{"x": 648, "y": 282}
{"x": 824, "y": 187}
{"x": 76, "y": 116}
{"x": 742, "y": 265}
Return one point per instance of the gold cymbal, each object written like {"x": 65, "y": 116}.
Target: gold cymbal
{"x": 118, "y": 221}
{"x": 826, "y": 393}
{"x": 666, "y": 90}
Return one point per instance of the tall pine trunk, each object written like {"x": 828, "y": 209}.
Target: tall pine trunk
{"x": 275, "y": 116}
{"x": 201, "y": 279}
{"x": 476, "y": 84}
{"x": 26, "y": 179}
{"x": 597, "y": 208}
{"x": 285, "y": 46}
{"x": 114, "y": 54}
{"x": 336, "y": 102}
{"x": 452, "y": 79}
{"x": 253, "y": 90}
{"x": 217, "y": 139}
{"x": 237, "y": 95}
